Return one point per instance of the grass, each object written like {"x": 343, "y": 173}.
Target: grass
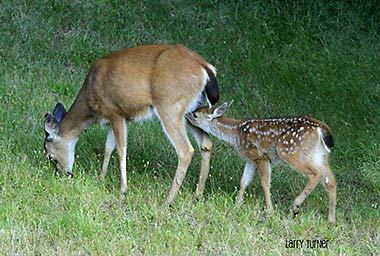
{"x": 318, "y": 58}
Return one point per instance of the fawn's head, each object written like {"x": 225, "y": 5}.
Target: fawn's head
{"x": 56, "y": 147}
{"x": 203, "y": 116}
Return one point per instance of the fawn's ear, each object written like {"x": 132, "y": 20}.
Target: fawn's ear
{"x": 59, "y": 112}
{"x": 219, "y": 111}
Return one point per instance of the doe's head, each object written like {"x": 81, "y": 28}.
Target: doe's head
{"x": 203, "y": 116}
{"x": 56, "y": 147}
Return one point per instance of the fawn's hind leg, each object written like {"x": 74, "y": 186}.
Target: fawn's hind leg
{"x": 329, "y": 184}
{"x": 314, "y": 175}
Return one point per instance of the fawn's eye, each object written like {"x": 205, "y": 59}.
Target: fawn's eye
{"x": 195, "y": 115}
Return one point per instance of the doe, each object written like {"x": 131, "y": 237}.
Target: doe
{"x": 163, "y": 81}
{"x": 302, "y": 142}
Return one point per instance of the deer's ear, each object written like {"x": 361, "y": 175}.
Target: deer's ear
{"x": 219, "y": 111}
{"x": 59, "y": 112}
{"x": 51, "y": 124}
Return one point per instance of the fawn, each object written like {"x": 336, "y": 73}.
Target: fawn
{"x": 302, "y": 142}
{"x": 163, "y": 81}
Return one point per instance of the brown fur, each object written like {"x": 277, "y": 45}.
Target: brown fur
{"x": 297, "y": 141}
{"x": 161, "y": 80}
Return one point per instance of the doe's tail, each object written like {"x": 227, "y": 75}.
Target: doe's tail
{"x": 212, "y": 90}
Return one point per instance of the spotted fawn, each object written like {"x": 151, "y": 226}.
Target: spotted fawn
{"x": 303, "y": 143}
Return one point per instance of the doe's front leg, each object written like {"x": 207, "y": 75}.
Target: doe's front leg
{"x": 120, "y": 131}
{"x": 109, "y": 148}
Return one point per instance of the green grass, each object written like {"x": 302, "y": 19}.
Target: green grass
{"x": 318, "y": 58}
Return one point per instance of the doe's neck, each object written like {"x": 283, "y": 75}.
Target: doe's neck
{"x": 78, "y": 118}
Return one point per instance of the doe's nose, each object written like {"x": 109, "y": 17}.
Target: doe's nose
{"x": 49, "y": 156}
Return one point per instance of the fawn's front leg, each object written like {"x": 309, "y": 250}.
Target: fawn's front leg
{"x": 249, "y": 171}
{"x": 265, "y": 171}
{"x": 205, "y": 146}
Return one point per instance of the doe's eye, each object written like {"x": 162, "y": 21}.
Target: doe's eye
{"x": 195, "y": 115}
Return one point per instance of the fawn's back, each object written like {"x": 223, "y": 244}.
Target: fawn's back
{"x": 302, "y": 142}
{"x": 281, "y": 138}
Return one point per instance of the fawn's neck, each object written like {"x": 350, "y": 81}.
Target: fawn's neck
{"x": 226, "y": 129}
{"x": 78, "y": 118}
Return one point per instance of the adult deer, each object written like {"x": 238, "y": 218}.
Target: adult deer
{"x": 139, "y": 83}
{"x": 301, "y": 142}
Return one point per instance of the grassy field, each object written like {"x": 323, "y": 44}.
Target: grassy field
{"x": 318, "y": 58}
